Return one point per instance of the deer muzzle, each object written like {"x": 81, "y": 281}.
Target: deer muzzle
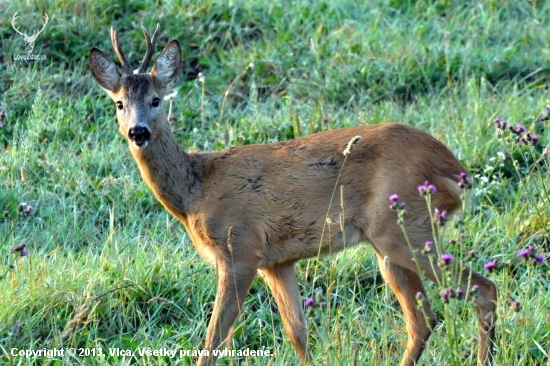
{"x": 139, "y": 135}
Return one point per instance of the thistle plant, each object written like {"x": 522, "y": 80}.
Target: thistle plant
{"x": 10, "y": 223}
{"x": 3, "y": 116}
{"x": 524, "y": 153}
{"x": 447, "y": 258}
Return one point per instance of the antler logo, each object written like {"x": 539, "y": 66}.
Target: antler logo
{"x": 29, "y": 40}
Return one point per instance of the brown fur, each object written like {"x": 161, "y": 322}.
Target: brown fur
{"x": 263, "y": 207}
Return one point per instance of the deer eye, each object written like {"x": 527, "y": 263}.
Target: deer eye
{"x": 119, "y": 105}
{"x": 155, "y": 102}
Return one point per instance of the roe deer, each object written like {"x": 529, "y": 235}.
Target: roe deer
{"x": 263, "y": 207}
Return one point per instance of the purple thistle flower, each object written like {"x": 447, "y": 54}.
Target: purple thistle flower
{"x": 530, "y": 252}
{"x": 24, "y": 253}
{"x": 520, "y": 128}
{"x": 451, "y": 292}
{"x": 396, "y": 204}
{"x": 465, "y": 181}
{"x": 445, "y": 297}
{"x": 3, "y": 116}
{"x": 471, "y": 255}
{"x": 474, "y": 290}
{"x": 440, "y": 217}
{"x": 544, "y": 118}
{"x": 309, "y": 302}
{"x": 523, "y": 140}
{"x": 539, "y": 259}
{"x": 18, "y": 248}
{"x": 535, "y": 139}
{"x": 516, "y": 305}
{"x": 446, "y": 258}
{"x": 426, "y": 189}
{"x": 491, "y": 266}
{"x": 427, "y": 248}
{"x": 524, "y": 253}
{"x": 460, "y": 294}
{"x": 501, "y": 125}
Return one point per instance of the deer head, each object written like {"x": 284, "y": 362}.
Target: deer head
{"x": 138, "y": 96}
{"x": 29, "y": 40}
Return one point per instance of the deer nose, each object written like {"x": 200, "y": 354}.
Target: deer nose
{"x": 139, "y": 135}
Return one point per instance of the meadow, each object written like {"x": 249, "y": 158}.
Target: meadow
{"x": 106, "y": 269}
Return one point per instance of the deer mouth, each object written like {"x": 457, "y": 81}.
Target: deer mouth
{"x": 140, "y": 136}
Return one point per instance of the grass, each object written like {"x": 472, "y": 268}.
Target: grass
{"x": 108, "y": 268}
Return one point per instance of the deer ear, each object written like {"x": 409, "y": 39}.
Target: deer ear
{"x": 104, "y": 70}
{"x": 167, "y": 65}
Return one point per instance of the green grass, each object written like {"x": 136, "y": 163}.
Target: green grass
{"x": 109, "y": 268}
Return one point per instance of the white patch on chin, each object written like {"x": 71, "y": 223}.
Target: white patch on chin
{"x": 143, "y": 146}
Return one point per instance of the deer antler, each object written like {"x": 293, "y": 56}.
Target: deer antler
{"x": 150, "y": 42}
{"x": 36, "y": 33}
{"x": 13, "y": 23}
{"x": 116, "y": 45}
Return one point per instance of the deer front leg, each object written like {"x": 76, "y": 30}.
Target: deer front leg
{"x": 234, "y": 279}
{"x": 281, "y": 279}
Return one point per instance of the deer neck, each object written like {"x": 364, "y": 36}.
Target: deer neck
{"x": 167, "y": 171}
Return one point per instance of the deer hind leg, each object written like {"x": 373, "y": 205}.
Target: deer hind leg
{"x": 234, "y": 280}
{"x": 281, "y": 279}
{"x": 486, "y": 300}
{"x": 486, "y": 304}
{"x": 406, "y": 284}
